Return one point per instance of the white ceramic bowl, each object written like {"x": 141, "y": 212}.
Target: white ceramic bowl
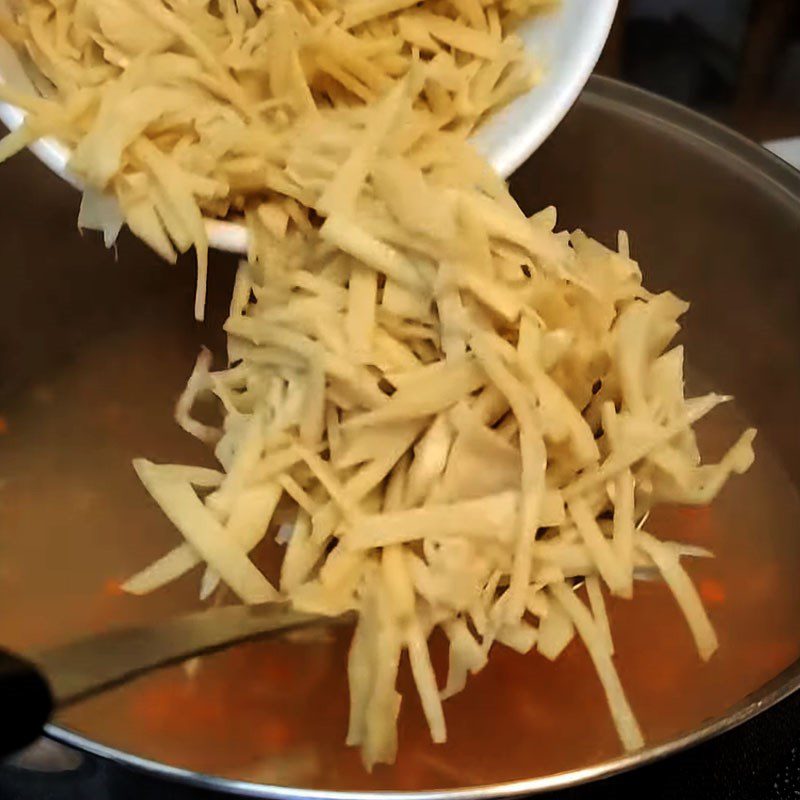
{"x": 567, "y": 41}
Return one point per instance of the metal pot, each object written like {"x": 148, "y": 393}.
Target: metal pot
{"x": 93, "y": 351}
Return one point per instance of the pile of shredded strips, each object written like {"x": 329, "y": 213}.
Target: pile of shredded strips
{"x": 468, "y": 416}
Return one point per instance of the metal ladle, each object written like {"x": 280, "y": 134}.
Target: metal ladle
{"x": 32, "y": 688}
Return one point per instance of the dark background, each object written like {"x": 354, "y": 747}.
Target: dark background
{"x": 735, "y": 60}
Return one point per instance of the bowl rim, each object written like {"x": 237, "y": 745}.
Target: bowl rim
{"x": 782, "y": 179}
{"x": 597, "y": 17}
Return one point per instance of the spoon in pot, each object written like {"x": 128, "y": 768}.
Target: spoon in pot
{"x": 33, "y": 687}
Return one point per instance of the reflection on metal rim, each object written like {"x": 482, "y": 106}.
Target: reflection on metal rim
{"x": 777, "y": 177}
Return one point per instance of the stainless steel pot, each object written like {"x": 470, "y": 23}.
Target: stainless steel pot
{"x": 93, "y": 351}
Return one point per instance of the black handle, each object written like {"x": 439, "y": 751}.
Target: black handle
{"x": 25, "y": 703}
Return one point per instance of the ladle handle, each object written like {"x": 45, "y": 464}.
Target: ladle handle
{"x": 26, "y": 702}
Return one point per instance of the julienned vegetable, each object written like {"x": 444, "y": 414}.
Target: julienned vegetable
{"x": 175, "y": 110}
{"x": 463, "y": 417}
